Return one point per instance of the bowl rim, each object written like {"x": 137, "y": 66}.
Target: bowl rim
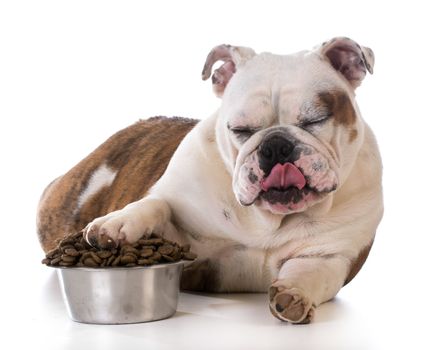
{"x": 120, "y": 268}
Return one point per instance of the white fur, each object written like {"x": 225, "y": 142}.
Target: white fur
{"x": 103, "y": 176}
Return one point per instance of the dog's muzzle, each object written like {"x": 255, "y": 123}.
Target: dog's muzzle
{"x": 274, "y": 149}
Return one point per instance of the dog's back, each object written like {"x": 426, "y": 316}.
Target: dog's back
{"x": 118, "y": 172}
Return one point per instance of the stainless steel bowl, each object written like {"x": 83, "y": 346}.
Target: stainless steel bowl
{"x": 121, "y": 294}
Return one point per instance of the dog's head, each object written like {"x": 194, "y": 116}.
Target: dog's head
{"x": 289, "y": 129}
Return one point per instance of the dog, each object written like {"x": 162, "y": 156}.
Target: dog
{"x": 279, "y": 190}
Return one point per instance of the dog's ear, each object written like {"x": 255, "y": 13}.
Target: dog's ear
{"x": 348, "y": 58}
{"x": 233, "y": 57}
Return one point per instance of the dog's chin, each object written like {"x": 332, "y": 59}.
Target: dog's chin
{"x": 287, "y": 201}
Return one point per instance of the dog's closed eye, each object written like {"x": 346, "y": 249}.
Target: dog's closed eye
{"x": 315, "y": 121}
{"x": 242, "y": 132}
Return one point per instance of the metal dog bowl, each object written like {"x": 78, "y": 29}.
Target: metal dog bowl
{"x": 121, "y": 294}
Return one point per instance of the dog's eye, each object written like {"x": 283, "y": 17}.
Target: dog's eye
{"x": 319, "y": 120}
{"x": 242, "y": 133}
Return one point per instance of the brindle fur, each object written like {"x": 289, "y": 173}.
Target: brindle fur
{"x": 139, "y": 153}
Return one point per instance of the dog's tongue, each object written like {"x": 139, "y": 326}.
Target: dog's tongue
{"x": 283, "y": 176}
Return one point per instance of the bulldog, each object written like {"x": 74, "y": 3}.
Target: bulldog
{"x": 279, "y": 190}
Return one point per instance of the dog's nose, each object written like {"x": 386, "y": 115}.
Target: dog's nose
{"x": 274, "y": 150}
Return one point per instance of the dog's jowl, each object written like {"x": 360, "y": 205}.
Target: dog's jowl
{"x": 279, "y": 190}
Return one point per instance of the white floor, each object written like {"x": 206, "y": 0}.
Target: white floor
{"x": 364, "y": 316}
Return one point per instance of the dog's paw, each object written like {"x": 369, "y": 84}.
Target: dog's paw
{"x": 290, "y": 304}
{"x": 117, "y": 228}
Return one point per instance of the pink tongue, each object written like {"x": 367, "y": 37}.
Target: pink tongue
{"x": 283, "y": 176}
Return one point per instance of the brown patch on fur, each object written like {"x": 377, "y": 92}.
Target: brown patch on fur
{"x": 353, "y": 135}
{"x": 357, "y": 264}
{"x": 201, "y": 276}
{"x": 340, "y": 105}
{"x": 139, "y": 154}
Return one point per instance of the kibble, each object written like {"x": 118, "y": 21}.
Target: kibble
{"x": 71, "y": 252}
{"x": 104, "y": 254}
{"x": 74, "y": 251}
{"x": 146, "y": 252}
{"x": 165, "y": 249}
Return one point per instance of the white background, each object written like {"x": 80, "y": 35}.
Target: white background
{"x": 73, "y": 73}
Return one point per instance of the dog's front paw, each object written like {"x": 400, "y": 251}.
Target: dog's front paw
{"x": 290, "y": 304}
{"x": 117, "y": 228}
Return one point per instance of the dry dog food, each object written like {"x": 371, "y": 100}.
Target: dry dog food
{"x": 74, "y": 251}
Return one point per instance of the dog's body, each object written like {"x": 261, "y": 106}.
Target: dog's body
{"x": 280, "y": 188}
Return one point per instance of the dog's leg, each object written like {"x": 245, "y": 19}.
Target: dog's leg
{"x": 305, "y": 282}
{"x": 148, "y": 215}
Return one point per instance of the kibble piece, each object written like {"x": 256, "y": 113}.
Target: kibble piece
{"x": 85, "y": 255}
{"x": 66, "y": 242}
{"x": 166, "y": 249}
{"x": 124, "y": 248}
{"x": 68, "y": 246}
{"x": 156, "y": 256}
{"x": 132, "y": 250}
{"x": 56, "y": 260}
{"x": 68, "y": 258}
{"x": 127, "y": 259}
{"x": 176, "y": 254}
{"x": 103, "y": 254}
{"x": 71, "y": 251}
{"x": 95, "y": 257}
{"x": 129, "y": 249}
{"x": 151, "y": 241}
{"x": 146, "y": 252}
{"x": 110, "y": 260}
{"x": 79, "y": 246}
{"x": 52, "y": 253}
{"x": 116, "y": 261}
{"x": 46, "y": 261}
{"x": 90, "y": 262}
{"x": 168, "y": 258}
{"x": 145, "y": 262}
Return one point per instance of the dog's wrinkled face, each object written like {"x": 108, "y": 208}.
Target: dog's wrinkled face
{"x": 288, "y": 129}
{"x": 288, "y": 161}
